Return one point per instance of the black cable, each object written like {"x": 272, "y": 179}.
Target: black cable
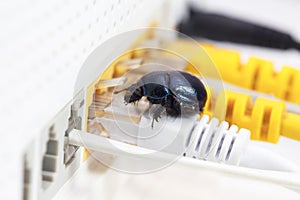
{"x": 223, "y": 28}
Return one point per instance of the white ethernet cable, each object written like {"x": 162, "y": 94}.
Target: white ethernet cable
{"x": 104, "y": 145}
{"x": 200, "y": 139}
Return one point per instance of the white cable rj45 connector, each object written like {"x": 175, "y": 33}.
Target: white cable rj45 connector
{"x": 217, "y": 142}
{"x": 200, "y": 139}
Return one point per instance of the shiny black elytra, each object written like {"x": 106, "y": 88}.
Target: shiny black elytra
{"x": 177, "y": 92}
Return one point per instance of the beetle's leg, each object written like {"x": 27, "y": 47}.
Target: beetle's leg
{"x": 173, "y": 107}
{"x": 157, "y": 114}
{"x": 133, "y": 94}
{"x": 202, "y": 104}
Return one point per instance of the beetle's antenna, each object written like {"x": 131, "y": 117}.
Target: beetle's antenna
{"x": 111, "y": 82}
{"x": 131, "y": 88}
{"x": 117, "y": 92}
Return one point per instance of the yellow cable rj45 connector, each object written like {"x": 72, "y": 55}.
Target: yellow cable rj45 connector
{"x": 257, "y": 74}
{"x": 267, "y": 119}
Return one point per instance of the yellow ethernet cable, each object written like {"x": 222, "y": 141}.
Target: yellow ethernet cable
{"x": 266, "y": 119}
{"x": 256, "y": 74}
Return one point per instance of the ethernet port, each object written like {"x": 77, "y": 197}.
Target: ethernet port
{"x": 75, "y": 122}
{"x": 49, "y": 163}
{"x": 26, "y": 178}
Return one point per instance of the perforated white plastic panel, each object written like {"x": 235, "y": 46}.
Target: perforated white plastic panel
{"x": 43, "y": 45}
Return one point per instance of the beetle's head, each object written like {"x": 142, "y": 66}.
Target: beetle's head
{"x": 133, "y": 93}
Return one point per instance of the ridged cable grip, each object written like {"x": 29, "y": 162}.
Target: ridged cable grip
{"x": 214, "y": 141}
{"x": 266, "y": 119}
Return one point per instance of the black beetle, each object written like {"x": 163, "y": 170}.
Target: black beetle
{"x": 177, "y": 92}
